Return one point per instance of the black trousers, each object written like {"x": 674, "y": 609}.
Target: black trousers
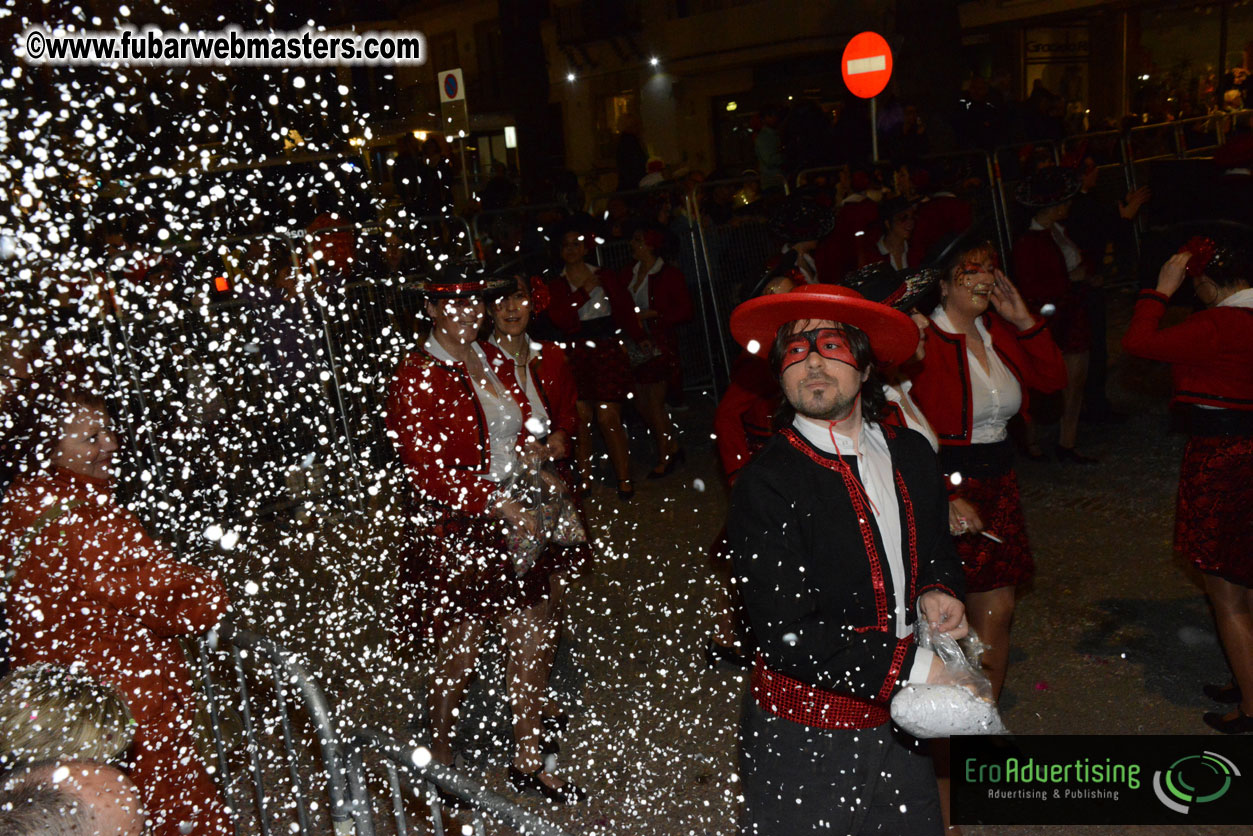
{"x": 800, "y": 780}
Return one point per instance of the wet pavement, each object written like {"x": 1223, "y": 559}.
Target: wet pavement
{"x": 1112, "y": 637}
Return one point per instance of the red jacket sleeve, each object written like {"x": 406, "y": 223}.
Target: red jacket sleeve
{"x": 1043, "y": 368}
{"x": 669, "y": 297}
{"x": 118, "y": 564}
{"x": 416, "y": 412}
{"x": 1039, "y": 270}
{"x": 563, "y": 309}
{"x": 751, "y": 385}
{"x": 558, "y": 383}
{"x": 1183, "y": 343}
{"x": 622, "y": 304}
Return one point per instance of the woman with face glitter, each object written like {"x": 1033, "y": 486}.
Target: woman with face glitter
{"x": 460, "y": 424}
{"x": 973, "y": 378}
{"x": 87, "y": 586}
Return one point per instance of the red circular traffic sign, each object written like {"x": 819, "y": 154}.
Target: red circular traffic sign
{"x": 866, "y": 65}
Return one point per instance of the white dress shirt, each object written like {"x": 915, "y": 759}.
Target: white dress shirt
{"x": 995, "y": 394}
{"x": 874, "y": 467}
{"x": 898, "y": 393}
{"x": 597, "y": 304}
{"x": 504, "y": 416}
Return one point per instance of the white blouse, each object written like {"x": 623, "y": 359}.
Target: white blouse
{"x": 898, "y": 393}
{"x": 639, "y": 287}
{"x": 1070, "y": 250}
{"x": 597, "y": 304}
{"x": 504, "y": 416}
{"x": 995, "y": 393}
{"x": 539, "y": 424}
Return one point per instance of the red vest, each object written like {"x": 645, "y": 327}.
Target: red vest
{"x": 554, "y": 381}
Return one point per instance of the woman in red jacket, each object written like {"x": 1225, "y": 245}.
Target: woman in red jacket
{"x": 1050, "y": 272}
{"x": 544, "y": 375}
{"x": 460, "y": 424}
{"x": 593, "y": 310}
{"x": 1209, "y": 353}
{"x": 89, "y": 587}
{"x": 662, "y": 304}
{"x": 973, "y": 378}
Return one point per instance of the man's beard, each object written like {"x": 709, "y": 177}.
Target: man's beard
{"x": 840, "y": 410}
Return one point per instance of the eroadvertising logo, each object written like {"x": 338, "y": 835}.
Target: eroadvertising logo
{"x": 1073, "y": 779}
{"x": 1211, "y": 772}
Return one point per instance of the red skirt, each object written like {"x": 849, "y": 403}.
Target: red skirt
{"x": 1214, "y": 513}
{"x": 456, "y": 567}
{"x": 602, "y": 373}
{"x": 990, "y": 565}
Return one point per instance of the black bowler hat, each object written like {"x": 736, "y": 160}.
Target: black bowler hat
{"x": 900, "y": 289}
{"x": 1048, "y": 187}
{"x": 458, "y": 279}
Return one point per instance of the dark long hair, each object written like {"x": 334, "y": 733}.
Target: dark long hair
{"x": 873, "y": 401}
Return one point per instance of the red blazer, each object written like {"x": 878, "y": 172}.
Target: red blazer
{"x": 668, "y": 296}
{"x": 554, "y": 381}
{"x": 1040, "y": 269}
{"x": 92, "y": 588}
{"x": 1209, "y": 352}
{"x": 440, "y": 432}
{"x": 938, "y": 217}
{"x": 743, "y": 419}
{"x": 942, "y": 380}
{"x": 563, "y": 309}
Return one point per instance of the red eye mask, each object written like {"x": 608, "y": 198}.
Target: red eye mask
{"x": 828, "y": 342}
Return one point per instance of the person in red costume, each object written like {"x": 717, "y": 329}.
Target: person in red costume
{"x": 891, "y": 242}
{"x": 1213, "y": 380}
{"x": 89, "y": 587}
{"x": 1051, "y": 275}
{"x": 544, "y": 375}
{"x": 461, "y": 425}
{"x": 975, "y": 375}
{"x": 593, "y": 310}
{"x": 662, "y": 304}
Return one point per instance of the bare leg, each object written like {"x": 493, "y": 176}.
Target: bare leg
{"x": 527, "y": 633}
{"x": 651, "y": 402}
{"x": 454, "y": 667}
{"x": 1233, "y": 615}
{"x": 609, "y": 419}
{"x": 583, "y": 445}
{"x": 991, "y": 614}
{"x": 556, "y": 613}
{"x": 1072, "y": 397}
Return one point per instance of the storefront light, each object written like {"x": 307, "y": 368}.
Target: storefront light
{"x": 655, "y": 61}
{"x": 731, "y": 106}
{"x": 569, "y": 76}
{"x": 511, "y": 136}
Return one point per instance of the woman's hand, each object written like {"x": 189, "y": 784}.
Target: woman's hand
{"x": 1008, "y": 303}
{"x": 558, "y": 444}
{"x": 963, "y": 518}
{"x": 1172, "y": 274}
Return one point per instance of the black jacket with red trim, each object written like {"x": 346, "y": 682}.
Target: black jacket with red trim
{"x": 814, "y": 579}
{"x": 1210, "y": 353}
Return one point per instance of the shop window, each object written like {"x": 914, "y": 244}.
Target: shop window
{"x": 1237, "y": 83}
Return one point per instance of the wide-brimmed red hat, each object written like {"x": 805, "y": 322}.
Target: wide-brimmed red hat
{"x": 893, "y": 335}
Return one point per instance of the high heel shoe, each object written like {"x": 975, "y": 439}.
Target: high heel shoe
{"x": 1223, "y": 693}
{"x": 1069, "y": 455}
{"x": 521, "y": 781}
{"x": 666, "y": 467}
{"x": 626, "y": 490}
{"x": 1240, "y": 724}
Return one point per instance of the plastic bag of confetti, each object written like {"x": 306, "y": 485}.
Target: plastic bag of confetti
{"x": 964, "y": 707}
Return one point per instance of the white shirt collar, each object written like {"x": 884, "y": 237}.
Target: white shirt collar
{"x": 437, "y": 351}
{"x": 1239, "y": 299}
{"x": 940, "y": 317}
{"x": 819, "y": 434}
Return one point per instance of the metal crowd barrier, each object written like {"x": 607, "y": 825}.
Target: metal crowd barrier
{"x": 298, "y": 773}
{"x": 413, "y": 765}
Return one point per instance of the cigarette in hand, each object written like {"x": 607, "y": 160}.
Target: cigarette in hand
{"x": 992, "y": 537}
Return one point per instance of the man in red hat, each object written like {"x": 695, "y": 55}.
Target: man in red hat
{"x": 839, "y": 533}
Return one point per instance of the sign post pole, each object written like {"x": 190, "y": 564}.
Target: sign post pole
{"x": 456, "y": 117}
{"x": 867, "y": 66}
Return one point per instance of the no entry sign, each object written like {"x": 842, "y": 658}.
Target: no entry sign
{"x": 866, "y": 65}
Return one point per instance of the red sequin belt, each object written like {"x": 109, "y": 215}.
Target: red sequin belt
{"x": 794, "y": 700}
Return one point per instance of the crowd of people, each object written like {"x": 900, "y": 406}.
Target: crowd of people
{"x": 888, "y": 353}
